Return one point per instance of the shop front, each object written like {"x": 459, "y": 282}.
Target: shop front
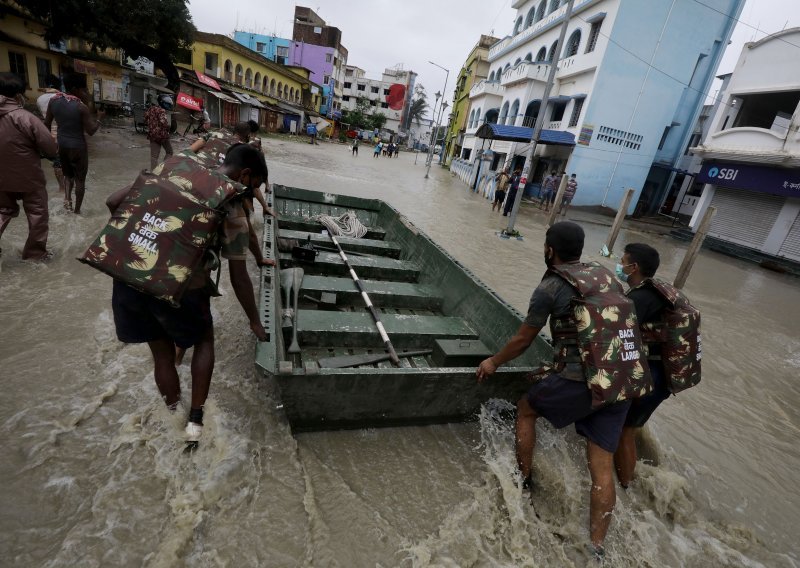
{"x": 757, "y": 207}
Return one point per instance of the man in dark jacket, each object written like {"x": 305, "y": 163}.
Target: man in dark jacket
{"x": 23, "y": 140}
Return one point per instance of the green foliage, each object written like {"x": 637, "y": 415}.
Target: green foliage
{"x": 378, "y": 120}
{"x": 419, "y": 105}
{"x": 362, "y": 116}
{"x": 156, "y": 29}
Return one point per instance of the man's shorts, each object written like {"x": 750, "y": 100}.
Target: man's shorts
{"x": 642, "y": 408}
{"x": 547, "y": 195}
{"x": 74, "y": 162}
{"x": 140, "y": 318}
{"x": 499, "y": 195}
{"x": 563, "y": 402}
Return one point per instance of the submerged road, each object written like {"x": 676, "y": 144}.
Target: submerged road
{"x": 93, "y": 475}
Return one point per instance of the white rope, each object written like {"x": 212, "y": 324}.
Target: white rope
{"x": 347, "y": 225}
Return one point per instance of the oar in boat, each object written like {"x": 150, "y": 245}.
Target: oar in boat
{"x": 387, "y": 343}
{"x": 298, "y": 281}
{"x": 345, "y": 361}
{"x": 287, "y": 277}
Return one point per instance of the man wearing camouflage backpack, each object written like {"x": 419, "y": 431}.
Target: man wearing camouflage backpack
{"x": 597, "y": 365}
{"x": 671, "y": 330}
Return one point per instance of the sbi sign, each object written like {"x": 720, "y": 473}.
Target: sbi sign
{"x": 723, "y": 173}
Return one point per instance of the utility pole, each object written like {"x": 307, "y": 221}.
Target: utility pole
{"x": 444, "y": 94}
{"x": 537, "y": 129}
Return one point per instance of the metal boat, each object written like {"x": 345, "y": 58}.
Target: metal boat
{"x": 431, "y": 307}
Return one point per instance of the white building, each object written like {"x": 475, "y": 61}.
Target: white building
{"x": 630, "y": 84}
{"x": 751, "y": 156}
{"x": 356, "y": 85}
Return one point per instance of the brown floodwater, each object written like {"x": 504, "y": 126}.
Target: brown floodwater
{"x": 93, "y": 475}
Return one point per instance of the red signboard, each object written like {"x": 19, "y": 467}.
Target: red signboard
{"x": 396, "y": 96}
{"x": 206, "y": 80}
{"x": 188, "y": 101}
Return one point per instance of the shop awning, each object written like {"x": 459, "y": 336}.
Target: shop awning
{"x": 206, "y": 80}
{"x": 524, "y": 134}
{"x": 254, "y": 101}
{"x": 225, "y": 97}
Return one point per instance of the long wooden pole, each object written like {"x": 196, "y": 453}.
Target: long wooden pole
{"x": 694, "y": 248}
{"x": 387, "y": 343}
{"x": 621, "y": 212}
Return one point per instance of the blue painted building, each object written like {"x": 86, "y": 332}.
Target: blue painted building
{"x": 274, "y": 48}
{"x": 631, "y": 81}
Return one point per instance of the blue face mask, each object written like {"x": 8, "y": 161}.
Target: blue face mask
{"x": 620, "y": 274}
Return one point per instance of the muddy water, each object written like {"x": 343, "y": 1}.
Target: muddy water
{"x": 92, "y": 472}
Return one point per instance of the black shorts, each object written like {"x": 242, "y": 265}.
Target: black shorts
{"x": 140, "y": 318}
{"x": 642, "y": 408}
{"x": 74, "y": 162}
{"x": 499, "y": 195}
{"x": 563, "y": 402}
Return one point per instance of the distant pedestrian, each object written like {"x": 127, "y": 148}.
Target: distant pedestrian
{"x": 53, "y": 87}
{"x": 355, "y": 147}
{"x": 378, "y": 148}
{"x": 569, "y": 194}
{"x": 158, "y": 129}
{"x": 502, "y": 180}
{"x": 512, "y": 193}
{"x": 23, "y": 140}
{"x": 549, "y": 187}
{"x": 71, "y": 111}
{"x": 311, "y": 130}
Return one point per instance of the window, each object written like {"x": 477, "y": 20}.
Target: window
{"x": 248, "y": 78}
{"x": 375, "y": 90}
{"x": 384, "y": 105}
{"x": 325, "y": 100}
{"x": 573, "y": 43}
{"x": 594, "y": 33}
{"x": 212, "y": 61}
{"x": 386, "y": 92}
{"x": 529, "y": 57}
{"x": 239, "y": 77}
{"x": 541, "y": 55}
{"x": 558, "y": 111}
{"x": 517, "y": 26}
{"x": 552, "y": 54}
{"x": 16, "y": 64}
{"x": 517, "y": 61}
{"x": 529, "y": 17}
{"x": 540, "y": 10}
{"x": 328, "y": 57}
{"x": 228, "y": 70}
{"x": 43, "y": 69}
{"x": 346, "y": 98}
{"x": 326, "y": 79}
{"x": 347, "y": 84}
{"x": 576, "y": 112}
{"x": 361, "y": 87}
{"x": 553, "y": 6}
{"x": 261, "y": 46}
{"x": 372, "y": 103}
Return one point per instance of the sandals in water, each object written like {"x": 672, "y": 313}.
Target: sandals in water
{"x": 68, "y": 205}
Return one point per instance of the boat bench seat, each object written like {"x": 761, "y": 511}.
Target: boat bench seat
{"x": 297, "y": 223}
{"x": 357, "y": 329}
{"x": 382, "y": 293}
{"x": 368, "y": 246}
{"x": 329, "y": 263}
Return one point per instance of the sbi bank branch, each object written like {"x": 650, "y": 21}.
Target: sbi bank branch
{"x": 758, "y": 207}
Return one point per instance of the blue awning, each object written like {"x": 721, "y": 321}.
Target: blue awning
{"x": 524, "y": 134}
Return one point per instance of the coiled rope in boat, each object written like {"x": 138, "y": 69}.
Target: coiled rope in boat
{"x": 346, "y": 225}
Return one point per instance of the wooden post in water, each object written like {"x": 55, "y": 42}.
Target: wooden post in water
{"x": 562, "y": 187}
{"x": 694, "y": 248}
{"x": 621, "y": 212}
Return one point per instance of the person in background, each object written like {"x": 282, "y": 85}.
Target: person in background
{"x": 53, "y": 87}
{"x": 71, "y": 112}
{"x": 549, "y": 187}
{"x": 502, "y": 180}
{"x": 569, "y": 194}
{"x": 378, "y": 148}
{"x": 23, "y": 140}
{"x": 355, "y": 147}
{"x": 512, "y": 193}
{"x": 158, "y": 129}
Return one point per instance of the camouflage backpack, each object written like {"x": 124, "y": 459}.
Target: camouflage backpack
{"x": 679, "y": 336}
{"x": 212, "y": 154}
{"x": 604, "y": 328}
{"x": 158, "y": 236}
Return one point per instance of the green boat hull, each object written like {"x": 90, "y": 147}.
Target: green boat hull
{"x": 427, "y": 301}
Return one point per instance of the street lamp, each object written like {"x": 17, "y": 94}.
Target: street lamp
{"x": 430, "y": 149}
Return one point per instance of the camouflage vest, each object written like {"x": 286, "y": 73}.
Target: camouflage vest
{"x": 603, "y": 326}
{"x": 158, "y": 236}
{"x": 212, "y": 154}
{"x": 678, "y": 335}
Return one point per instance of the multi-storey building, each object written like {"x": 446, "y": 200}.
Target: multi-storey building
{"x": 631, "y": 80}
{"x": 475, "y": 69}
{"x": 750, "y": 168}
{"x": 357, "y": 85}
{"x": 329, "y": 62}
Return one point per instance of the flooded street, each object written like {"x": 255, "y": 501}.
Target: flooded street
{"x": 93, "y": 472}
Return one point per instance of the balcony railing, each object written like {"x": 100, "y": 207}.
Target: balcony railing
{"x": 525, "y": 71}
{"x": 486, "y": 88}
{"x": 554, "y": 125}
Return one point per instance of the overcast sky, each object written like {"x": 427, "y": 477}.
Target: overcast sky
{"x": 383, "y": 33}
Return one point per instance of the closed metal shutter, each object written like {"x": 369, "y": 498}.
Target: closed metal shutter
{"x": 791, "y": 246}
{"x": 744, "y": 217}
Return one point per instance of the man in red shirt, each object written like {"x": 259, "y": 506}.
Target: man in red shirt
{"x": 158, "y": 129}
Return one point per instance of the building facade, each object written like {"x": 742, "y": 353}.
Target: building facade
{"x": 631, "y": 80}
{"x": 329, "y": 62}
{"x": 751, "y": 156}
{"x": 474, "y": 70}
{"x": 357, "y": 85}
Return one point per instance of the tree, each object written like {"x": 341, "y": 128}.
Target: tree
{"x": 378, "y": 120}
{"x": 419, "y": 105}
{"x": 155, "y": 29}
{"x": 362, "y": 116}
